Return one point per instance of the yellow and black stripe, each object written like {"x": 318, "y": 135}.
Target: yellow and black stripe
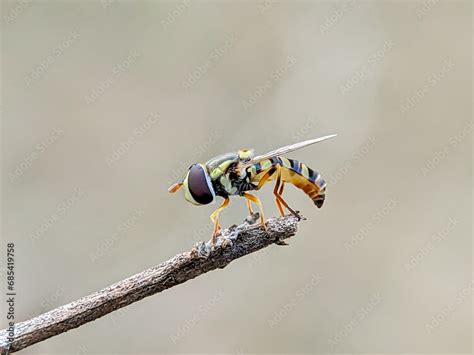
{"x": 296, "y": 173}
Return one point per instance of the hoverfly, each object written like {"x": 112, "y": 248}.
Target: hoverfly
{"x": 240, "y": 172}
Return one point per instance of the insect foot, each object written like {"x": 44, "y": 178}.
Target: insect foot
{"x": 222, "y": 239}
{"x": 201, "y": 250}
{"x": 252, "y": 219}
{"x": 299, "y": 216}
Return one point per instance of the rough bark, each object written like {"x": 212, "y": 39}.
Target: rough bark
{"x": 233, "y": 243}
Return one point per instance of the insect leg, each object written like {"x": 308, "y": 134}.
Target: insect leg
{"x": 215, "y": 219}
{"x": 262, "y": 182}
{"x": 249, "y": 206}
{"x": 281, "y": 200}
{"x": 279, "y": 193}
{"x": 281, "y": 188}
{"x": 259, "y": 203}
{"x": 265, "y": 178}
{"x": 293, "y": 212}
{"x": 275, "y": 191}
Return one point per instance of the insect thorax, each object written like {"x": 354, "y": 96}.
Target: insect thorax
{"x": 230, "y": 182}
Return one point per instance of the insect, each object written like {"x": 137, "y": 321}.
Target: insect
{"x": 239, "y": 172}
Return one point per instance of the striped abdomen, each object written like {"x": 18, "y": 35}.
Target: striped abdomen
{"x": 294, "y": 172}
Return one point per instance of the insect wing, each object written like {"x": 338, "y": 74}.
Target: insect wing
{"x": 286, "y": 149}
{"x": 213, "y": 163}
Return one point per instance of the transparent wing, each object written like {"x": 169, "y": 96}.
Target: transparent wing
{"x": 216, "y": 161}
{"x": 285, "y": 150}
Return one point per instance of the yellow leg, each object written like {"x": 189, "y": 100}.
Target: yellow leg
{"x": 281, "y": 188}
{"x": 256, "y": 200}
{"x": 279, "y": 200}
{"x": 215, "y": 219}
{"x": 279, "y": 185}
{"x": 249, "y": 206}
{"x": 265, "y": 177}
{"x": 279, "y": 193}
{"x": 275, "y": 192}
{"x": 283, "y": 202}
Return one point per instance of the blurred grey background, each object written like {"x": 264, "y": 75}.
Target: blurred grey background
{"x": 105, "y": 103}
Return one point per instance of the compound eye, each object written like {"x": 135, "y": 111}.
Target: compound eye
{"x": 199, "y": 185}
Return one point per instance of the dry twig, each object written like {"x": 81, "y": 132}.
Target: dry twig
{"x": 234, "y": 243}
